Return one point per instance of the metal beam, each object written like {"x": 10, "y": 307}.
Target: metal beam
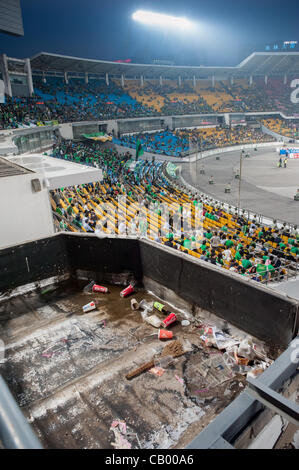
{"x": 273, "y": 400}
{"x": 234, "y": 419}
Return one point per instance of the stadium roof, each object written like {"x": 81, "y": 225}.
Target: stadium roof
{"x": 258, "y": 63}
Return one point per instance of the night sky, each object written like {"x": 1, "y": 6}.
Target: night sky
{"x": 227, "y": 30}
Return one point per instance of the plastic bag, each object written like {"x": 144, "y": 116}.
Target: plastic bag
{"x": 88, "y": 289}
{"x": 153, "y": 320}
{"x": 146, "y": 305}
{"x": 245, "y": 349}
{"x": 164, "y": 362}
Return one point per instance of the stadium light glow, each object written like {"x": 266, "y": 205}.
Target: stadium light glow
{"x": 159, "y": 19}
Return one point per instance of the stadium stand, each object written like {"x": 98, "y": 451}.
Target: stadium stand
{"x": 177, "y": 143}
{"x": 282, "y": 127}
{"x": 81, "y": 101}
{"x": 226, "y": 240}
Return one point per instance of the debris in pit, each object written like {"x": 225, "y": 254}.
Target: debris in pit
{"x": 165, "y": 334}
{"x": 144, "y": 305}
{"x": 164, "y": 361}
{"x": 205, "y": 375}
{"x": 134, "y": 304}
{"x": 127, "y": 291}
{"x": 172, "y": 318}
{"x": 99, "y": 289}
{"x": 90, "y": 306}
{"x": 153, "y": 320}
{"x": 257, "y": 370}
{"x": 173, "y": 349}
{"x": 88, "y": 288}
{"x": 49, "y": 289}
{"x": 119, "y": 429}
{"x": 179, "y": 379}
{"x": 161, "y": 308}
{"x": 158, "y": 371}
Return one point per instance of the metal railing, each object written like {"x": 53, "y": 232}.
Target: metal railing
{"x": 15, "y": 431}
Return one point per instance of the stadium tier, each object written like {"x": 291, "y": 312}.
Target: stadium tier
{"x": 246, "y": 247}
{"x": 179, "y": 143}
{"x": 64, "y": 89}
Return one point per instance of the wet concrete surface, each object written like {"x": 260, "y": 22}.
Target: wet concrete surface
{"x": 265, "y": 189}
{"x": 67, "y": 371}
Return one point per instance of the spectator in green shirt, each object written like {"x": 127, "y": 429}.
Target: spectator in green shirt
{"x": 246, "y": 263}
{"x": 208, "y": 234}
{"x": 70, "y": 209}
{"x": 261, "y": 268}
{"x": 229, "y": 243}
{"x": 239, "y": 254}
{"x": 187, "y": 243}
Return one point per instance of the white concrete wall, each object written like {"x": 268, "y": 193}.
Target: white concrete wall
{"x": 66, "y": 131}
{"x": 24, "y": 215}
{"x": 112, "y": 126}
{"x": 209, "y": 153}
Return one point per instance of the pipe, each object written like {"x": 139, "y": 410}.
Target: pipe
{"x": 15, "y": 431}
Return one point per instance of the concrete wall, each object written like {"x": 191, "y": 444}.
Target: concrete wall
{"x": 66, "y": 131}
{"x": 24, "y": 214}
{"x": 255, "y": 309}
{"x": 209, "y": 153}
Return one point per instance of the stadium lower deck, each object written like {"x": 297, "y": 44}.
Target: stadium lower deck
{"x": 67, "y": 371}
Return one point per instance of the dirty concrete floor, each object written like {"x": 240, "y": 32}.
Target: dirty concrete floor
{"x": 67, "y": 372}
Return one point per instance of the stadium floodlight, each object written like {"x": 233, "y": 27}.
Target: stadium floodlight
{"x": 159, "y": 19}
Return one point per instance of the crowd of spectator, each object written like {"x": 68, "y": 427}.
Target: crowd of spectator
{"x": 219, "y": 237}
{"x": 287, "y": 128}
{"x": 180, "y": 142}
{"x": 55, "y": 100}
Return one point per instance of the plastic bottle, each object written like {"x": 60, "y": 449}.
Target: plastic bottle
{"x": 88, "y": 289}
{"x": 146, "y": 305}
{"x": 164, "y": 361}
{"x": 144, "y": 314}
{"x": 154, "y": 321}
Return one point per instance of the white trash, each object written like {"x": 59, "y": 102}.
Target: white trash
{"x": 154, "y": 321}
{"x": 146, "y": 305}
{"x": 134, "y": 304}
{"x": 185, "y": 323}
{"x": 245, "y": 349}
{"x": 91, "y": 306}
